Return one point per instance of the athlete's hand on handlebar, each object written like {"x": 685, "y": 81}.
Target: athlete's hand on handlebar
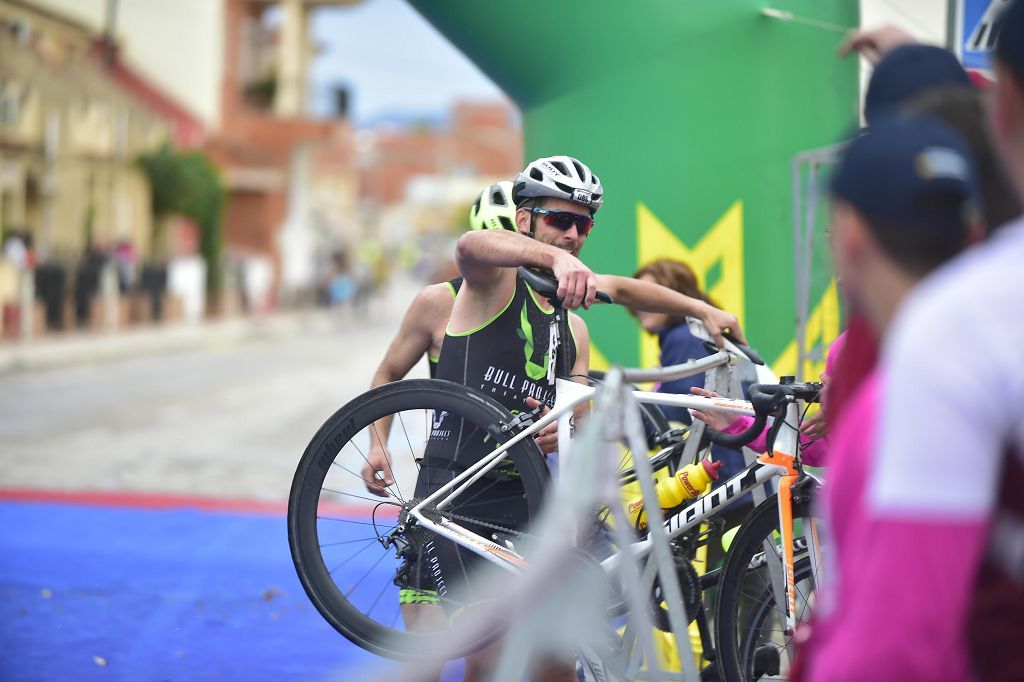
{"x": 719, "y": 322}
{"x": 577, "y": 284}
{"x": 378, "y": 462}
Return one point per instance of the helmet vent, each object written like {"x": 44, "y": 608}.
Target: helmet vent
{"x": 536, "y": 175}
{"x": 506, "y": 223}
{"x": 497, "y": 196}
{"x": 564, "y": 187}
{"x": 579, "y": 170}
{"x": 476, "y": 204}
{"x": 594, "y": 179}
{"x": 562, "y": 168}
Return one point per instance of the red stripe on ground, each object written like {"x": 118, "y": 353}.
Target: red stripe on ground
{"x": 162, "y": 501}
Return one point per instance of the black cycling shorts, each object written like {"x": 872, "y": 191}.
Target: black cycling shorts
{"x": 451, "y": 568}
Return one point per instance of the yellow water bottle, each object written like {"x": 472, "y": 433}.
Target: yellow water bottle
{"x": 689, "y": 482}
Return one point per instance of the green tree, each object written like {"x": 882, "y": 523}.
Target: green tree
{"x": 188, "y": 184}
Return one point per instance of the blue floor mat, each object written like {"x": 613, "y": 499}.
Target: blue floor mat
{"x": 101, "y": 593}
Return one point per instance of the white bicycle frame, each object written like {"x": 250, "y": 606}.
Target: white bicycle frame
{"x": 778, "y": 467}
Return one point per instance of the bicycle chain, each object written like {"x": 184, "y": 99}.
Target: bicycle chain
{"x": 492, "y": 526}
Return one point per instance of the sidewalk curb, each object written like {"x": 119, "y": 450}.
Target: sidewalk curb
{"x": 80, "y": 349}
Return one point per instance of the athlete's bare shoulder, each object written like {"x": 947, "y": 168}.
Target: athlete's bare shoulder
{"x": 434, "y": 299}
{"x": 578, "y": 325}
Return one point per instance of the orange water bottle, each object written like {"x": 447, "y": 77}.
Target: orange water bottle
{"x": 689, "y": 482}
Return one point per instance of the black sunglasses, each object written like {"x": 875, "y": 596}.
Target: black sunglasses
{"x": 563, "y": 220}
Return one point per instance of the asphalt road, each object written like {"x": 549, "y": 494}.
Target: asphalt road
{"x": 101, "y": 577}
{"x": 228, "y": 419}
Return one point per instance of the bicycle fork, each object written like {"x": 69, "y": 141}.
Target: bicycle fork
{"x": 783, "y": 454}
{"x": 788, "y": 559}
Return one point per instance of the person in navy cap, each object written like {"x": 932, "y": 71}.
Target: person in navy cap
{"x": 932, "y": 562}
{"x": 905, "y": 73}
{"x": 904, "y": 203}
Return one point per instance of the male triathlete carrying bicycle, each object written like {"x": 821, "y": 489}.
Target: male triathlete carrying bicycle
{"x": 422, "y": 329}
{"x": 421, "y": 333}
{"x": 497, "y": 337}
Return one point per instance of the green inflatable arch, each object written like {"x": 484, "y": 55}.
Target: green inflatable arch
{"x": 690, "y": 111}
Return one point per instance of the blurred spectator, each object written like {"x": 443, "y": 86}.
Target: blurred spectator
{"x": 126, "y": 259}
{"x": 962, "y": 109}
{"x": 18, "y": 249}
{"x": 678, "y": 345}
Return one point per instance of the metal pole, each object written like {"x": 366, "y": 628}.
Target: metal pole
{"x": 805, "y": 274}
{"x": 801, "y": 315}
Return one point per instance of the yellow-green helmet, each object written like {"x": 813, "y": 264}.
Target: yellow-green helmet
{"x": 493, "y": 209}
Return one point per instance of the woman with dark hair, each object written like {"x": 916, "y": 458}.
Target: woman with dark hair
{"x": 677, "y": 346}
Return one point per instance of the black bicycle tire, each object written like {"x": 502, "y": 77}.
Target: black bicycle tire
{"x": 801, "y": 571}
{"x": 317, "y": 459}
{"x": 762, "y": 521}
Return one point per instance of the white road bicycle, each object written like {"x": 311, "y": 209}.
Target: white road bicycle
{"x": 356, "y": 562}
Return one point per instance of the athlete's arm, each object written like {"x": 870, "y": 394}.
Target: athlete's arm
{"x": 581, "y": 370}
{"x": 415, "y": 336}
{"x": 485, "y": 257}
{"x": 654, "y": 298}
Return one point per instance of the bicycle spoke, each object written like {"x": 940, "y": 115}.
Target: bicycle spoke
{"x": 345, "y": 542}
{"x": 360, "y": 477}
{"x": 358, "y": 523}
{"x": 387, "y": 458}
{"x": 412, "y": 451}
{"x": 365, "y": 459}
{"x": 369, "y": 543}
{"x": 377, "y": 600}
{"x": 466, "y": 502}
{"x": 368, "y": 572}
{"x": 360, "y": 497}
{"x": 626, "y": 459}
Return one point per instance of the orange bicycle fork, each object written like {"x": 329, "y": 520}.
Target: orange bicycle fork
{"x": 786, "y": 530}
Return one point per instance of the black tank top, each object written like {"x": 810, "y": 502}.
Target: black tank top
{"x": 505, "y": 358}
{"x": 454, "y": 284}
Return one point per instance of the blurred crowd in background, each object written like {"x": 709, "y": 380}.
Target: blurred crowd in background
{"x": 140, "y": 183}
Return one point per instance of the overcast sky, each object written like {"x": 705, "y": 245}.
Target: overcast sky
{"x": 393, "y": 60}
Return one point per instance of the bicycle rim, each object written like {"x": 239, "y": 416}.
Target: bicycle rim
{"x": 347, "y": 542}
{"x": 752, "y": 639}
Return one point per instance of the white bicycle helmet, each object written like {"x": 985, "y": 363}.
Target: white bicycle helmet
{"x": 493, "y": 209}
{"x": 560, "y": 177}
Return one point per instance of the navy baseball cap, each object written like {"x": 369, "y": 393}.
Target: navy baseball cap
{"x": 910, "y": 174}
{"x": 1010, "y": 41}
{"x": 908, "y": 71}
